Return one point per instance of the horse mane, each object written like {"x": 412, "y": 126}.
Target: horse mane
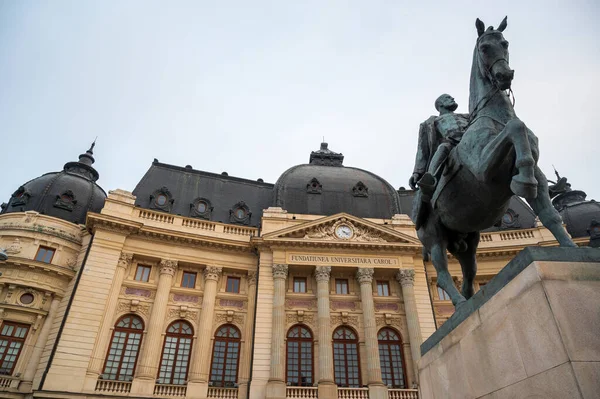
{"x": 476, "y": 81}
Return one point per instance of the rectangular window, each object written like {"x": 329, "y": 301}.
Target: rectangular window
{"x": 12, "y": 339}
{"x": 341, "y": 286}
{"x": 443, "y": 295}
{"x": 188, "y": 280}
{"x": 299, "y": 284}
{"x": 383, "y": 288}
{"x": 45, "y": 254}
{"x": 143, "y": 273}
{"x": 233, "y": 284}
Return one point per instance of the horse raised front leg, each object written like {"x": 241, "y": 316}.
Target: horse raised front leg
{"x": 514, "y": 135}
{"x": 549, "y": 216}
{"x": 439, "y": 258}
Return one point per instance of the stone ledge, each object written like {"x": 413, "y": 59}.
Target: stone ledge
{"x": 508, "y": 273}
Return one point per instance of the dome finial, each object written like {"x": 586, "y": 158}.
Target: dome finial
{"x": 87, "y": 158}
{"x": 324, "y": 156}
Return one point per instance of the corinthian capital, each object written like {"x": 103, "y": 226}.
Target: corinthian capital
{"x": 168, "y": 266}
{"x": 280, "y": 271}
{"x": 365, "y": 275}
{"x": 406, "y": 277}
{"x": 212, "y": 273}
{"x": 125, "y": 260}
{"x": 322, "y": 273}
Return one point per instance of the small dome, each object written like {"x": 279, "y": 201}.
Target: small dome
{"x": 67, "y": 195}
{"x": 577, "y": 212}
{"x": 325, "y": 186}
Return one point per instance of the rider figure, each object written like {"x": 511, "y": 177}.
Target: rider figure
{"x": 451, "y": 127}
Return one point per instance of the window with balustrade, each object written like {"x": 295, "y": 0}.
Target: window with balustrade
{"x": 124, "y": 347}
{"x": 176, "y": 351}
{"x": 299, "y": 350}
{"x": 12, "y": 340}
{"x": 225, "y": 358}
{"x": 346, "y": 361}
{"x": 391, "y": 358}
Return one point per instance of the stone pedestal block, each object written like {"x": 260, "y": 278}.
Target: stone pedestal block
{"x": 276, "y": 390}
{"x": 327, "y": 390}
{"x": 197, "y": 390}
{"x": 531, "y": 332}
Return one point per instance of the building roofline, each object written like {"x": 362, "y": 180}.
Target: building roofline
{"x": 211, "y": 174}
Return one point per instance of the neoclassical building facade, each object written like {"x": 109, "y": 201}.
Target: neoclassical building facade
{"x": 203, "y": 285}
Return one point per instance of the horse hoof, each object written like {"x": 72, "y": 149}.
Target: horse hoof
{"x": 525, "y": 189}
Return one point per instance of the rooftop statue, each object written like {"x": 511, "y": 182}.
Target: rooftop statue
{"x": 468, "y": 167}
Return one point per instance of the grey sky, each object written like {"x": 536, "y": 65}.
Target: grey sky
{"x": 252, "y": 87}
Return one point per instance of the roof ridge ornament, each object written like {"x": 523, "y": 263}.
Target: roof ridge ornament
{"x": 325, "y": 157}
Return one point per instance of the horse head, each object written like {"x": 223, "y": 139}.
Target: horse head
{"x": 492, "y": 52}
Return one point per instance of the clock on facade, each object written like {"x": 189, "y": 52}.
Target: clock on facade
{"x": 344, "y": 231}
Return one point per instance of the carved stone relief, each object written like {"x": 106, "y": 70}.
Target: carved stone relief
{"x": 229, "y": 317}
{"x": 344, "y": 319}
{"x": 360, "y": 233}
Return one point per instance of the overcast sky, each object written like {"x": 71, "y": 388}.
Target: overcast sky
{"x": 251, "y": 87}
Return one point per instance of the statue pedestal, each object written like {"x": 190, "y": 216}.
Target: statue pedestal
{"x": 533, "y": 331}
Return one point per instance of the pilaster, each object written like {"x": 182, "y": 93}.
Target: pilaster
{"x": 34, "y": 359}
{"x": 199, "y": 370}
{"x": 147, "y": 368}
{"x": 248, "y": 338}
{"x": 406, "y": 278}
{"x": 327, "y": 389}
{"x": 377, "y": 390}
{"x": 101, "y": 346}
{"x": 276, "y": 384}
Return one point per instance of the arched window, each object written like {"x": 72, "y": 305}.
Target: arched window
{"x": 226, "y": 355}
{"x": 299, "y": 357}
{"x": 12, "y": 339}
{"x": 124, "y": 347}
{"x": 391, "y": 358}
{"x": 176, "y": 354}
{"x": 346, "y": 362}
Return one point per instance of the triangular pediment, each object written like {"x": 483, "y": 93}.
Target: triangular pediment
{"x": 341, "y": 228}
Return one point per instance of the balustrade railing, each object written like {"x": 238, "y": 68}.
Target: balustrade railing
{"x": 301, "y": 392}
{"x": 242, "y": 231}
{"x": 353, "y": 393}
{"x": 113, "y": 387}
{"x": 160, "y": 217}
{"x": 516, "y": 235}
{"x": 5, "y": 382}
{"x": 156, "y": 216}
{"x": 403, "y": 394}
{"x": 175, "y": 391}
{"x": 198, "y": 224}
{"x": 222, "y": 393}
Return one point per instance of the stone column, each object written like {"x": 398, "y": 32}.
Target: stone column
{"x": 327, "y": 386}
{"x": 36, "y": 354}
{"x": 104, "y": 333}
{"x": 147, "y": 369}
{"x": 377, "y": 390}
{"x": 406, "y": 278}
{"x": 201, "y": 355}
{"x": 248, "y": 330}
{"x": 276, "y": 384}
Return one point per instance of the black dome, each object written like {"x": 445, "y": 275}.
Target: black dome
{"x": 326, "y": 187}
{"x": 577, "y": 212}
{"x": 67, "y": 195}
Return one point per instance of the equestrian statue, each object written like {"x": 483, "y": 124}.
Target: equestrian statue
{"x": 469, "y": 166}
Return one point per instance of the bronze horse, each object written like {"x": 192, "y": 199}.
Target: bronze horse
{"x": 496, "y": 158}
